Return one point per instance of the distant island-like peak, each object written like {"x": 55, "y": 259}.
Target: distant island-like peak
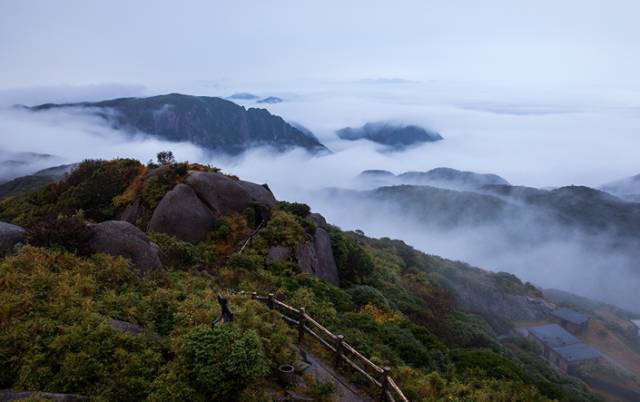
{"x": 390, "y": 134}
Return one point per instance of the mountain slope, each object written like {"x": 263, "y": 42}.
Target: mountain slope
{"x": 95, "y": 323}
{"x": 214, "y": 123}
{"x": 439, "y": 177}
{"x": 628, "y": 188}
{"x": 41, "y": 178}
{"x": 580, "y": 239}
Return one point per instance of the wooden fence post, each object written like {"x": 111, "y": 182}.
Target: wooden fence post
{"x": 301, "y": 321}
{"x": 339, "y": 348}
{"x": 385, "y": 383}
{"x": 270, "y": 301}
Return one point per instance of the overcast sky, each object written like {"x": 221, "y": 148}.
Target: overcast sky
{"x": 165, "y": 43}
{"x": 509, "y": 84}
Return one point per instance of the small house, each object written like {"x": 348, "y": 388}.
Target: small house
{"x": 561, "y": 348}
{"x": 570, "y": 319}
{"x": 551, "y": 336}
{"x": 569, "y": 357}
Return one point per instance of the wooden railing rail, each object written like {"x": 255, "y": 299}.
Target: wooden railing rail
{"x": 342, "y": 351}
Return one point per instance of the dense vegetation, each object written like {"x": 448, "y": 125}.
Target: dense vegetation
{"x": 59, "y": 303}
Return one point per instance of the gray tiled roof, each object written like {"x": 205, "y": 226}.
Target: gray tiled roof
{"x": 571, "y": 316}
{"x": 577, "y": 352}
{"x": 553, "y": 335}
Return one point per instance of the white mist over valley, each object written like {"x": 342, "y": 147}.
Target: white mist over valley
{"x": 528, "y": 138}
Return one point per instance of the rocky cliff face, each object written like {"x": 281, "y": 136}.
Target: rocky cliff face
{"x": 211, "y": 122}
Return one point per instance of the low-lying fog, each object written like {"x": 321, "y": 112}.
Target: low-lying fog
{"x": 528, "y": 137}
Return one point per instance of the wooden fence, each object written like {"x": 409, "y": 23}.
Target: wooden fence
{"x": 344, "y": 354}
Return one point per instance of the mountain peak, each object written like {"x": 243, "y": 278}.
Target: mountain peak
{"x": 390, "y": 134}
{"x": 211, "y": 122}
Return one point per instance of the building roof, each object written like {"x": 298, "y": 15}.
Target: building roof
{"x": 577, "y": 352}
{"x": 553, "y": 335}
{"x": 569, "y": 315}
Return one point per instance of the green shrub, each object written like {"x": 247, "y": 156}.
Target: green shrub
{"x": 322, "y": 391}
{"x": 78, "y": 359}
{"x": 93, "y": 185}
{"x": 160, "y": 181}
{"x": 363, "y": 295}
{"x": 294, "y": 208}
{"x": 354, "y": 264}
{"x": 175, "y": 252}
{"x": 221, "y": 362}
{"x": 63, "y": 233}
{"x": 482, "y": 362}
{"x": 283, "y": 229}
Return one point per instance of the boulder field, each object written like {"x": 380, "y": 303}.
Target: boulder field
{"x": 189, "y": 212}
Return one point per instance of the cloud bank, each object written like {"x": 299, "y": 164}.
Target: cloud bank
{"x": 527, "y": 138}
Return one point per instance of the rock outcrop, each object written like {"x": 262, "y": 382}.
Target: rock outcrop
{"x": 315, "y": 256}
{"x": 120, "y": 238}
{"x": 182, "y": 214}
{"x": 133, "y": 212}
{"x": 327, "y": 268}
{"x": 278, "y": 253}
{"x": 10, "y": 236}
{"x": 189, "y": 211}
{"x": 225, "y": 195}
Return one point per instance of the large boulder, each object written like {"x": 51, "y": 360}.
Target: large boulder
{"x": 133, "y": 212}
{"x": 10, "y": 235}
{"x": 180, "y": 213}
{"x": 306, "y": 257}
{"x": 318, "y": 220}
{"x": 316, "y": 257}
{"x": 225, "y": 195}
{"x": 259, "y": 193}
{"x": 278, "y": 253}
{"x": 327, "y": 268}
{"x": 120, "y": 238}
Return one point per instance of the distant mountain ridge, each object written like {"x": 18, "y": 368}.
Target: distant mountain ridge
{"x": 213, "y": 123}
{"x": 628, "y": 188}
{"x": 393, "y": 135}
{"x": 579, "y": 233}
{"x": 439, "y": 177}
{"x": 41, "y": 178}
